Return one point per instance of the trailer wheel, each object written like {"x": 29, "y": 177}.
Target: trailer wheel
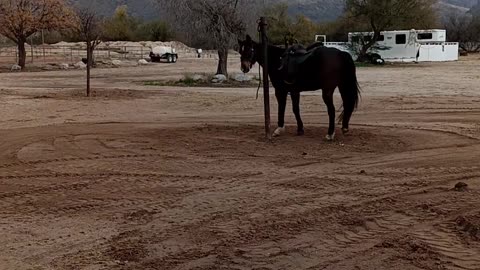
{"x": 174, "y": 60}
{"x": 376, "y": 59}
{"x": 169, "y": 58}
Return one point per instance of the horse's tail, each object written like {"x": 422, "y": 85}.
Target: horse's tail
{"x": 349, "y": 88}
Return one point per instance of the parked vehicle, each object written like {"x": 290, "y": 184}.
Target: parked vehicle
{"x": 163, "y": 52}
{"x": 403, "y": 46}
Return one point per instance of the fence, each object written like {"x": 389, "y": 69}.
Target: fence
{"x": 72, "y": 54}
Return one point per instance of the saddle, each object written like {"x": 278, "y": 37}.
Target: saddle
{"x": 292, "y": 60}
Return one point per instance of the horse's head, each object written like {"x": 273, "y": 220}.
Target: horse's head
{"x": 248, "y": 54}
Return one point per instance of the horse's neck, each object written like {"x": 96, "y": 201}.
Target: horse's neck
{"x": 274, "y": 54}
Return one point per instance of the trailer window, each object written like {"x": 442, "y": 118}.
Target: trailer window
{"x": 381, "y": 38}
{"x": 401, "y": 39}
{"x": 425, "y": 36}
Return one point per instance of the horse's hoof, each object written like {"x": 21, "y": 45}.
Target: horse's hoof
{"x": 300, "y": 132}
{"x": 345, "y": 130}
{"x": 278, "y": 132}
{"x": 330, "y": 137}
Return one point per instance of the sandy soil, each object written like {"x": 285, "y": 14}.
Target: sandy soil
{"x": 149, "y": 177}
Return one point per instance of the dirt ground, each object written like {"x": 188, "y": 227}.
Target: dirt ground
{"x": 152, "y": 177}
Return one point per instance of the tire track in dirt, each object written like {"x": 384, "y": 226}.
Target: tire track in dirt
{"x": 365, "y": 234}
{"x": 443, "y": 239}
{"x": 245, "y": 207}
{"x": 378, "y": 226}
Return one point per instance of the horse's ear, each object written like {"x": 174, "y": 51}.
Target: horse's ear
{"x": 249, "y": 38}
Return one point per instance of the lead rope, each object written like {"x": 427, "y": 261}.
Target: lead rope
{"x": 259, "y": 81}
{"x": 259, "y": 66}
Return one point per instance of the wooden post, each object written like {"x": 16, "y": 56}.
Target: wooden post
{"x": 43, "y": 47}
{"x": 89, "y": 64}
{"x": 266, "y": 82}
{"x": 31, "y": 46}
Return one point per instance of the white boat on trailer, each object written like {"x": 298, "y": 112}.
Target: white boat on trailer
{"x": 404, "y": 45}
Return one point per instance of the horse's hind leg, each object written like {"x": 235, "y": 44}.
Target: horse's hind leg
{"x": 348, "y": 108}
{"x": 296, "y": 110}
{"x": 281, "y": 96}
{"x": 328, "y": 99}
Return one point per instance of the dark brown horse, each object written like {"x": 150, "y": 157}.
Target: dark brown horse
{"x": 324, "y": 69}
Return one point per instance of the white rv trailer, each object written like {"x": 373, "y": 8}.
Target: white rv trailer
{"x": 405, "y": 45}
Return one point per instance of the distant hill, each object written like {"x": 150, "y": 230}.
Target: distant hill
{"x": 327, "y": 10}
{"x": 145, "y": 9}
{"x": 317, "y": 10}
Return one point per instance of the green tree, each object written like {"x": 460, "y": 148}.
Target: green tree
{"x": 155, "y": 31}
{"x": 380, "y": 15}
{"x": 304, "y": 30}
{"x": 283, "y": 28}
{"x": 279, "y": 23}
{"x": 121, "y": 26}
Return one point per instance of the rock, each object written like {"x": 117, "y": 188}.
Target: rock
{"x": 48, "y": 67}
{"x": 469, "y": 225}
{"x": 64, "y": 66}
{"x": 363, "y": 172}
{"x": 197, "y": 77}
{"x": 242, "y": 78}
{"x": 116, "y": 63}
{"x": 80, "y": 65}
{"x": 16, "y": 67}
{"x": 219, "y": 78}
{"x": 461, "y": 186}
{"x": 142, "y": 62}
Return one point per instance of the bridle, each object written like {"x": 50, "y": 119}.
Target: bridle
{"x": 252, "y": 58}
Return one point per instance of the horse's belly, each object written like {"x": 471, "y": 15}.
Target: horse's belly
{"x": 305, "y": 86}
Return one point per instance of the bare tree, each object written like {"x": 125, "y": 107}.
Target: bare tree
{"x": 90, "y": 29}
{"x": 19, "y": 19}
{"x": 464, "y": 28}
{"x": 381, "y": 15}
{"x": 220, "y": 21}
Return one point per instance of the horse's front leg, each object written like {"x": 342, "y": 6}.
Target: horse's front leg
{"x": 296, "y": 110}
{"x": 281, "y": 96}
{"x": 328, "y": 99}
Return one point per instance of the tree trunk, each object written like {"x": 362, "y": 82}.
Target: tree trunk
{"x": 89, "y": 64}
{"x": 362, "y": 56}
{"x": 92, "y": 56}
{"x": 22, "y": 53}
{"x": 222, "y": 61}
